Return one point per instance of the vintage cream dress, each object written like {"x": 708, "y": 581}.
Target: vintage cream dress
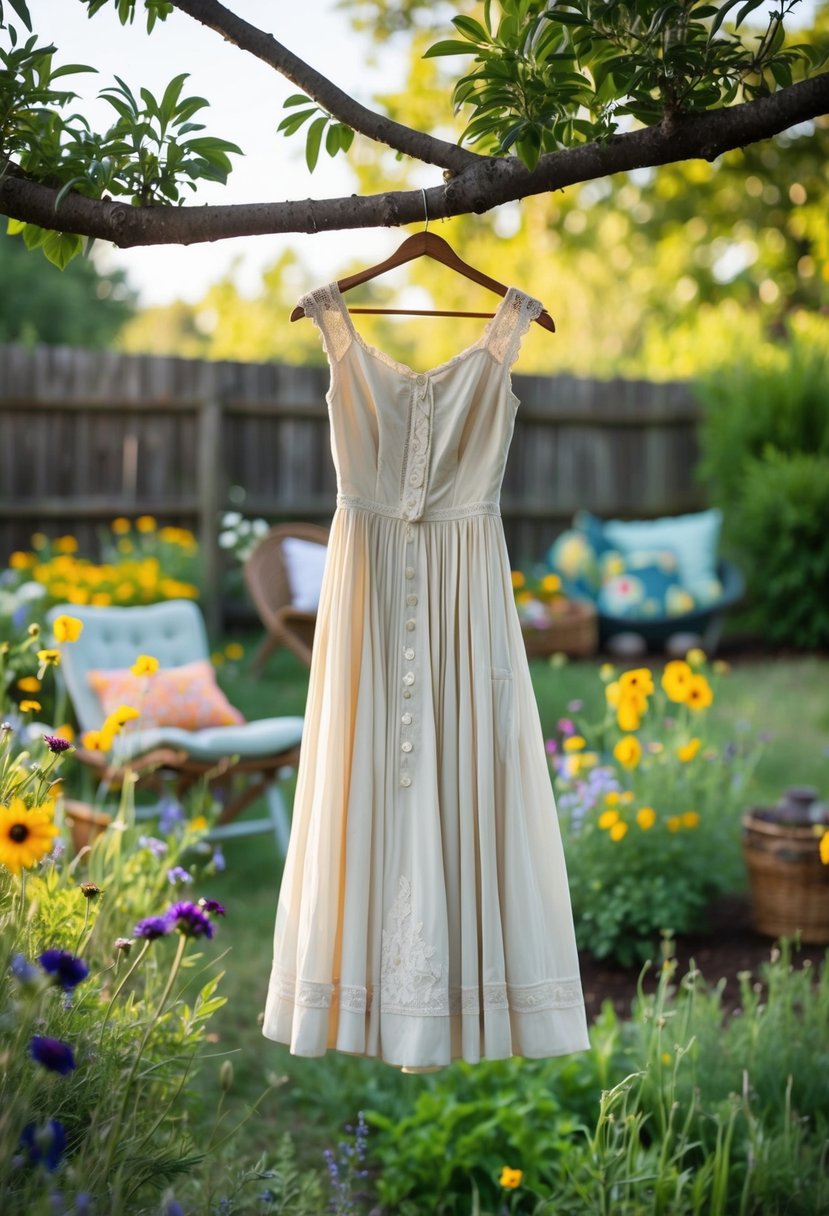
{"x": 424, "y": 912}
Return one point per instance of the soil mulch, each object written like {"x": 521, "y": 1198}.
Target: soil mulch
{"x": 730, "y": 945}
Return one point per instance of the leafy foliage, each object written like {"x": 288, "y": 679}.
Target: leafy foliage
{"x": 338, "y": 136}
{"x": 550, "y": 77}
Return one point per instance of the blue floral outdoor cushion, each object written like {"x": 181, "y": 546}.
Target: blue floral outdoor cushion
{"x": 573, "y": 558}
{"x": 693, "y": 538}
{"x": 642, "y": 586}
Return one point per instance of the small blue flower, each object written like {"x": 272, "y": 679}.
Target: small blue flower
{"x": 173, "y": 1208}
{"x": 219, "y": 863}
{"x": 24, "y": 971}
{"x": 152, "y": 927}
{"x": 83, "y": 1203}
{"x": 177, "y": 874}
{"x": 67, "y": 969}
{"x": 212, "y": 905}
{"x": 170, "y": 816}
{"x": 53, "y": 1054}
{"x": 44, "y": 1144}
{"x": 157, "y": 847}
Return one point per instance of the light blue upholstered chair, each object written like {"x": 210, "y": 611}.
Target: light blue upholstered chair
{"x": 174, "y": 633}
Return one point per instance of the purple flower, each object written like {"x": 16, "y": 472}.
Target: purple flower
{"x": 83, "y": 1203}
{"x": 52, "y": 1054}
{"x": 152, "y": 927}
{"x": 173, "y": 1208}
{"x": 170, "y": 815}
{"x": 190, "y": 920}
{"x": 212, "y": 905}
{"x": 566, "y": 726}
{"x": 68, "y": 970}
{"x": 24, "y": 971}
{"x": 157, "y": 847}
{"x": 44, "y": 1144}
{"x": 124, "y": 944}
{"x": 56, "y": 744}
{"x": 179, "y": 874}
{"x": 551, "y": 747}
{"x": 575, "y": 706}
{"x": 219, "y": 863}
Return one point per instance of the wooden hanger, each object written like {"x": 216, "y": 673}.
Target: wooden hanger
{"x": 426, "y": 244}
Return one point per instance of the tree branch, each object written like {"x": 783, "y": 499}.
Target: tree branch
{"x": 487, "y": 183}
{"x": 247, "y": 37}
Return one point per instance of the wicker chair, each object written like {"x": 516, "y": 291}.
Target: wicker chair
{"x": 266, "y": 579}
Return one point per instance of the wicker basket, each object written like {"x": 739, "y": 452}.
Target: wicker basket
{"x": 85, "y": 822}
{"x": 574, "y": 632}
{"x": 789, "y": 883}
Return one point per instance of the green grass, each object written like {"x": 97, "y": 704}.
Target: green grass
{"x": 786, "y": 698}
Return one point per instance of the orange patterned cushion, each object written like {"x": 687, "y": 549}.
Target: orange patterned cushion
{"x": 187, "y": 696}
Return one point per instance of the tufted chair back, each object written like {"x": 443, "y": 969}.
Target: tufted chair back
{"x": 173, "y": 632}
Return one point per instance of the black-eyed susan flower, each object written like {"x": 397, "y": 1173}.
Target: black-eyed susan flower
{"x": 690, "y": 819}
{"x": 48, "y": 658}
{"x": 607, "y": 819}
{"x": 574, "y": 743}
{"x": 145, "y": 523}
{"x": 29, "y": 684}
{"x": 618, "y": 830}
{"x": 698, "y": 694}
{"x": 28, "y": 706}
{"x": 26, "y": 834}
{"x": 67, "y": 628}
{"x": 510, "y": 1178}
{"x": 646, "y": 817}
{"x": 676, "y": 679}
{"x": 638, "y": 680}
{"x": 628, "y": 751}
{"x": 145, "y": 665}
{"x": 674, "y": 823}
{"x": 120, "y": 525}
{"x": 688, "y": 750}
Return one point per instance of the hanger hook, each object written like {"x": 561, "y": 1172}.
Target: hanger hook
{"x": 425, "y": 208}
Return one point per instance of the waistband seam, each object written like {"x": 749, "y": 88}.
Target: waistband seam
{"x": 397, "y": 512}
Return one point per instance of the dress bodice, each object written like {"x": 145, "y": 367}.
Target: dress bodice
{"x": 421, "y": 444}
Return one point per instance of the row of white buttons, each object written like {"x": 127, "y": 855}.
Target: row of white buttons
{"x": 406, "y": 745}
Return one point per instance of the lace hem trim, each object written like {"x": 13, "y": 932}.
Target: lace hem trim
{"x": 562, "y": 993}
{"x": 353, "y": 502}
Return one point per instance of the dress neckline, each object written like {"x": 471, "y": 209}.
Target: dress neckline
{"x": 403, "y": 368}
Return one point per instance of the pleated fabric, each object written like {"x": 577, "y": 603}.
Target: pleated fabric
{"x": 424, "y": 913}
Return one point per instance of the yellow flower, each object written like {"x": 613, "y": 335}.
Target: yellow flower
{"x": 120, "y": 525}
{"x": 66, "y": 732}
{"x": 612, "y": 797}
{"x": 626, "y": 798}
{"x": 695, "y": 657}
{"x": 175, "y": 589}
{"x": 67, "y": 628}
{"x": 524, "y": 597}
{"x": 628, "y": 751}
{"x": 198, "y": 823}
{"x": 66, "y": 544}
{"x": 29, "y": 684}
{"x": 510, "y": 1179}
{"x": 101, "y": 599}
{"x": 95, "y": 741}
{"x": 824, "y": 848}
{"x": 607, "y": 819}
{"x": 720, "y": 667}
{"x": 125, "y": 546}
{"x": 690, "y": 819}
{"x": 551, "y": 583}
{"x": 574, "y": 743}
{"x": 518, "y": 579}
{"x": 618, "y": 830}
{"x": 234, "y": 650}
{"x": 217, "y": 658}
{"x": 675, "y": 680}
{"x": 674, "y": 823}
{"x": 25, "y": 835}
{"x": 119, "y": 718}
{"x": 698, "y": 694}
{"x": 77, "y": 595}
{"x": 646, "y": 817}
{"x": 606, "y": 672}
{"x": 21, "y": 561}
{"x": 638, "y": 680}
{"x": 629, "y": 713}
{"x": 48, "y": 658}
{"x": 667, "y": 1058}
{"x": 27, "y": 707}
{"x": 40, "y": 540}
{"x": 613, "y": 693}
{"x": 688, "y": 750}
{"x": 144, "y": 665}
{"x": 145, "y": 523}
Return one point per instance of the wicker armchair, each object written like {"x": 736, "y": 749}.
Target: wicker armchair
{"x": 266, "y": 579}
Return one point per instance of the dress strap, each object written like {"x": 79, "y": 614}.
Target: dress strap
{"x": 325, "y": 307}
{"x": 510, "y": 324}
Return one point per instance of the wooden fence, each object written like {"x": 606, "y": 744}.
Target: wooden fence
{"x": 88, "y": 435}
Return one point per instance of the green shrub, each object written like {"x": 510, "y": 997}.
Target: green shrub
{"x": 782, "y": 528}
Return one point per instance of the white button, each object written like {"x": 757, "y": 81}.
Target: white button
{"x": 405, "y": 781}
{"x": 406, "y": 719}
{"x": 410, "y": 625}
{"x": 409, "y": 533}
{"x": 409, "y": 572}
{"x": 406, "y": 747}
{"x": 421, "y": 379}
{"x": 415, "y": 445}
{"x": 408, "y": 653}
{"x": 409, "y": 678}
{"x": 406, "y": 694}
{"x": 416, "y": 478}
{"x": 411, "y": 600}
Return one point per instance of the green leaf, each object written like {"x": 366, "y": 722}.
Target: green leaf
{"x": 471, "y": 29}
{"x": 22, "y": 11}
{"x": 450, "y": 46}
{"x": 70, "y": 69}
{"x": 747, "y": 8}
{"x": 293, "y": 122}
{"x": 332, "y": 139}
{"x": 296, "y": 99}
{"x": 13, "y": 227}
{"x": 312, "y": 142}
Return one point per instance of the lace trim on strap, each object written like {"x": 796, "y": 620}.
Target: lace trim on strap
{"x": 324, "y": 307}
{"x": 510, "y": 325}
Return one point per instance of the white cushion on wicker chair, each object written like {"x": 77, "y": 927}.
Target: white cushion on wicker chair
{"x": 304, "y": 565}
